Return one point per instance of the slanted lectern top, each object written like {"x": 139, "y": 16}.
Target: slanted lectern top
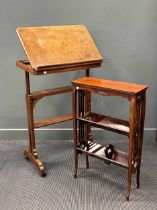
{"x": 56, "y": 46}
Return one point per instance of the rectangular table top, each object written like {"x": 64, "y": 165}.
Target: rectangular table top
{"x": 116, "y": 86}
{"x": 54, "y": 46}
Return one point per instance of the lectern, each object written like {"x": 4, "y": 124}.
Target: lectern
{"x": 54, "y": 49}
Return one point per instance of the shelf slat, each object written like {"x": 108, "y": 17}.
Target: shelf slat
{"x": 120, "y": 158}
{"x": 106, "y": 122}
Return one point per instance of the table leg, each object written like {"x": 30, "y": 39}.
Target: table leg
{"x": 87, "y": 108}
{"x": 140, "y": 139}
{"x": 87, "y": 130}
{"x": 131, "y": 144}
{"x": 74, "y": 107}
{"x": 137, "y": 128}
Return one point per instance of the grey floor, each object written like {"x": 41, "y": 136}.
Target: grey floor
{"x": 101, "y": 187}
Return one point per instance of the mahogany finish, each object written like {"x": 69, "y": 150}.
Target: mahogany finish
{"x": 133, "y": 128}
{"x": 110, "y": 123}
{"x": 97, "y": 150}
{"x": 54, "y": 49}
{"x": 53, "y": 121}
{"x": 109, "y": 85}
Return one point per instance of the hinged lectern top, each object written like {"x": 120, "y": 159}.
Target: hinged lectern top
{"x": 56, "y": 46}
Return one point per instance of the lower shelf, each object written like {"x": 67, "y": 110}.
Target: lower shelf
{"x": 97, "y": 150}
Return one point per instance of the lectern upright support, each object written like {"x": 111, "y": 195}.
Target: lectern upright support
{"x": 54, "y": 49}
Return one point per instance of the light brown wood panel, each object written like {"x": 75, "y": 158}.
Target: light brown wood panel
{"x": 57, "y": 45}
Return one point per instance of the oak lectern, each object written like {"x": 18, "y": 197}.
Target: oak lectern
{"x": 54, "y": 49}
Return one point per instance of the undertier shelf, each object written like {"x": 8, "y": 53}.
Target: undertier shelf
{"x": 97, "y": 150}
{"x": 106, "y": 122}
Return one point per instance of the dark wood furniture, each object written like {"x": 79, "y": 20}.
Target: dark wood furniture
{"x": 133, "y": 128}
{"x": 53, "y": 49}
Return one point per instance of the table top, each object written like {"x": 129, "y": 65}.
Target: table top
{"x": 54, "y": 46}
{"x": 116, "y": 86}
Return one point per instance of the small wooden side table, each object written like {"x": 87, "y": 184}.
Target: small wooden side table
{"x": 133, "y": 128}
{"x": 53, "y": 49}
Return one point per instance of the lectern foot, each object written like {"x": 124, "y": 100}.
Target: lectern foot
{"x": 36, "y": 161}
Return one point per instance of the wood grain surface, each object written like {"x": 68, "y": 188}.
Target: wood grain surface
{"x": 110, "y": 85}
{"x": 50, "y": 46}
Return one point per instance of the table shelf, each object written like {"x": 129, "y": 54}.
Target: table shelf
{"x": 97, "y": 150}
{"x": 106, "y": 122}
